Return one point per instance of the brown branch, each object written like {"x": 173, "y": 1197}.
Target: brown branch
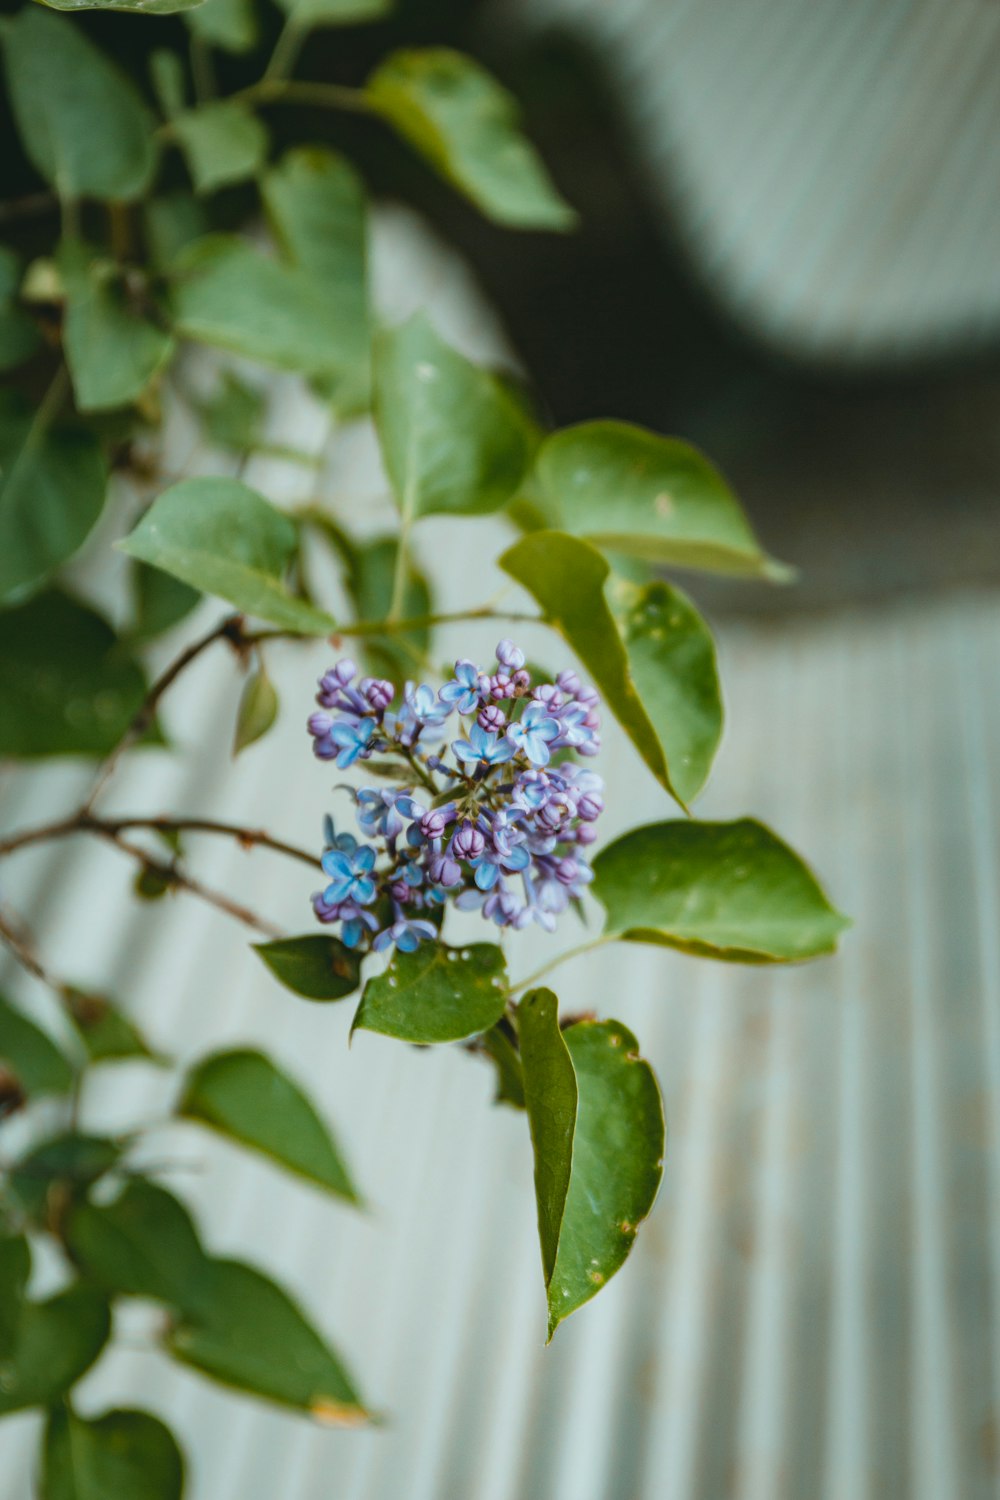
{"x": 88, "y": 822}
{"x": 173, "y": 876}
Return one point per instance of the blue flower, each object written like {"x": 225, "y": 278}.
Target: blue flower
{"x": 350, "y": 877}
{"x": 382, "y": 812}
{"x": 352, "y": 739}
{"x": 483, "y": 748}
{"x": 533, "y": 732}
{"x": 406, "y": 934}
{"x": 491, "y": 862}
{"x": 465, "y": 691}
{"x": 425, "y": 707}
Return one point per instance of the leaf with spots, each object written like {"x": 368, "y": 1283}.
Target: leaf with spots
{"x": 437, "y": 994}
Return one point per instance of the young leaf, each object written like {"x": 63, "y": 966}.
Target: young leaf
{"x": 66, "y": 685}
{"x": 229, "y": 24}
{"x": 335, "y": 12}
{"x": 453, "y": 439}
{"x": 19, "y": 336}
{"x": 55, "y": 1342}
{"x": 257, "y": 711}
{"x": 316, "y": 206}
{"x": 112, "y": 353}
{"x": 617, "y": 1162}
{"x": 108, "y": 1034}
{"x": 316, "y": 967}
{"x": 245, "y": 1096}
{"x": 47, "y": 1181}
{"x": 671, "y": 660}
{"x": 35, "y": 1060}
{"x": 223, "y": 142}
{"x": 52, "y": 486}
{"x": 437, "y": 994}
{"x": 550, "y": 1092}
{"x": 717, "y": 890}
{"x": 655, "y": 497}
{"x": 468, "y": 128}
{"x": 124, "y": 1454}
{"x": 247, "y": 1333}
{"x": 223, "y": 538}
{"x": 83, "y": 123}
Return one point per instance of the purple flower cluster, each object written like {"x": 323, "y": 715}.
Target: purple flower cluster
{"x": 500, "y": 827}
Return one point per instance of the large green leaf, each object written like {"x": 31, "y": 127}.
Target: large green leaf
{"x": 19, "y": 336}
{"x": 83, "y": 123}
{"x": 335, "y": 12}
{"x": 671, "y": 661}
{"x": 720, "y": 890}
{"x": 159, "y": 602}
{"x": 52, "y": 487}
{"x": 567, "y": 577}
{"x": 229, "y": 24}
{"x": 230, "y": 295}
{"x": 468, "y": 128}
{"x": 617, "y": 1162}
{"x": 222, "y": 537}
{"x": 122, "y": 1455}
{"x": 223, "y": 142}
{"x": 54, "y": 1343}
{"x": 437, "y": 994}
{"x": 249, "y": 1334}
{"x": 141, "y": 1244}
{"x": 35, "y": 1060}
{"x": 67, "y": 687}
{"x": 112, "y": 352}
{"x": 316, "y": 205}
{"x": 550, "y": 1093}
{"x": 452, "y": 437}
{"x": 245, "y": 1096}
{"x": 654, "y": 497}
{"x": 315, "y": 966}
{"x": 58, "y": 1172}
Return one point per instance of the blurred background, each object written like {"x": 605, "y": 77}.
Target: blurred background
{"x": 790, "y": 254}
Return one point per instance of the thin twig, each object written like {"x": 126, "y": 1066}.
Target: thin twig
{"x": 16, "y": 941}
{"x": 174, "y": 876}
{"x": 85, "y": 821}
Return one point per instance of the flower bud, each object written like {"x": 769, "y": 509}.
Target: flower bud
{"x": 509, "y": 655}
{"x": 467, "y": 842}
{"x": 492, "y": 719}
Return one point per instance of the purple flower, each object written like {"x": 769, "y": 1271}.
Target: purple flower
{"x": 466, "y": 689}
{"x": 434, "y": 823}
{"x": 467, "y": 842}
{"x": 377, "y": 693}
{"x": 350, "y": 875}
{"x": 333, "y": 682}
{"x": 406, "y": 934}
{"x": 509, "y": 655}
{"x": 533, "y": 733}
{"x": 443, "y": 870}
{"x": 492, "y": 719}
{"x": 501, "y": 686}
{"x": 482, "y": 748}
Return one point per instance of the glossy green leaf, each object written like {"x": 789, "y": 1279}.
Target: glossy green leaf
{"x": 550, "y": 1092}
{"x": 316, "y": 967}
{"x": 223, "y": 142}
{"x": 52, "y": 487}
{"x": 468, "y": 128}
{"x": 122, "y": 1455}
{"x": 141, "y": 1244}
{"x": 249, "y": 1334}
{"x": 228, "y": 294}
{"x": 453, "y": 440}
{"x": 617, "y": 1162}
{"x": 246, "y": 1097}
{"x": 50, "y": 1178}
{"x": 19, "y": 336}
{"x": 159, "y": 602}
{"x": 437, "y": 994}
{"x": 229, "y": 24}
{"x": 316, "y": 206}
{"x": 108, "y": 1034}
{"x": 719, "y": 890}
{"x": 112, "y": 352}
{"x": 222, "y": 537}
{"x": 257, "y": 711}
{"x": 55, "y": 1342}
{"x": 67, "y": 687}
{"x": 83, "y": 123}
{"x": 31, "y": 1055}
{"x": 567, "y": 577}
{"x": 335, "y": 12}
{"x": 510, "y": 1074}
{"x": 671, "y": 661}
{"x": 634, "y": 491}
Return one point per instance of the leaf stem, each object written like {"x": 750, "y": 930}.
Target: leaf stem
{"x": 554, "y": 963}
{"x": 419, "y": 622}
{"x": 286, "y": 51}
{"x": 271, "y": 90}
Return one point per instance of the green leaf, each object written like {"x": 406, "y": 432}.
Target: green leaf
{"x": 229, "y": 24}
{"x": 223, "y": 538}
{"x": 243, "y": 1095}
{"x": 83, "y": 123}
{"x": 468, "y": 128}
{"x": 247, "y": 1333}
{"x": 32, "y": 1056}
{"x": 223, "y": 142}
{"x": 67, "y": 687}
{"x": 550, "y": 1092}
{"x": 108, "y": 1034}
{"x": 718, "y": 890}
{"x": 452, "y": 438}
{"x": 228, "y": 294}
{"x": 56, "y": 1341}
{"x": 567, "y": 577}
{"x": 137, "y": 7}
{"x": 124, "y": 1454}
{"x": 510, "y": 1074}
{"x": 47, "y": 1181}
{"x": 169, "y": 79}
{"x": 112, "y": 352}
{"x": 15, "y": 1269}
{"x": 19, "y": 336}
{"x": 316, "y": 967}
{"x": 152, "y": 883}
{"x": 617, "y": 1162}
{"x": 159, "y": 602}
{"x": 655, "y": 497}
{"x": 52, "y": 487}
{"x": 437, "y": 994}
{"x": 671, "y": 661}
{"x": 258, "y": 709}
{"x": 141, "y": 1244}
{"x": 172, "y": 222}
{"x": 316, "y": 206}
{"x": 335, "y": 12}
{"x": 232, "y": 416}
